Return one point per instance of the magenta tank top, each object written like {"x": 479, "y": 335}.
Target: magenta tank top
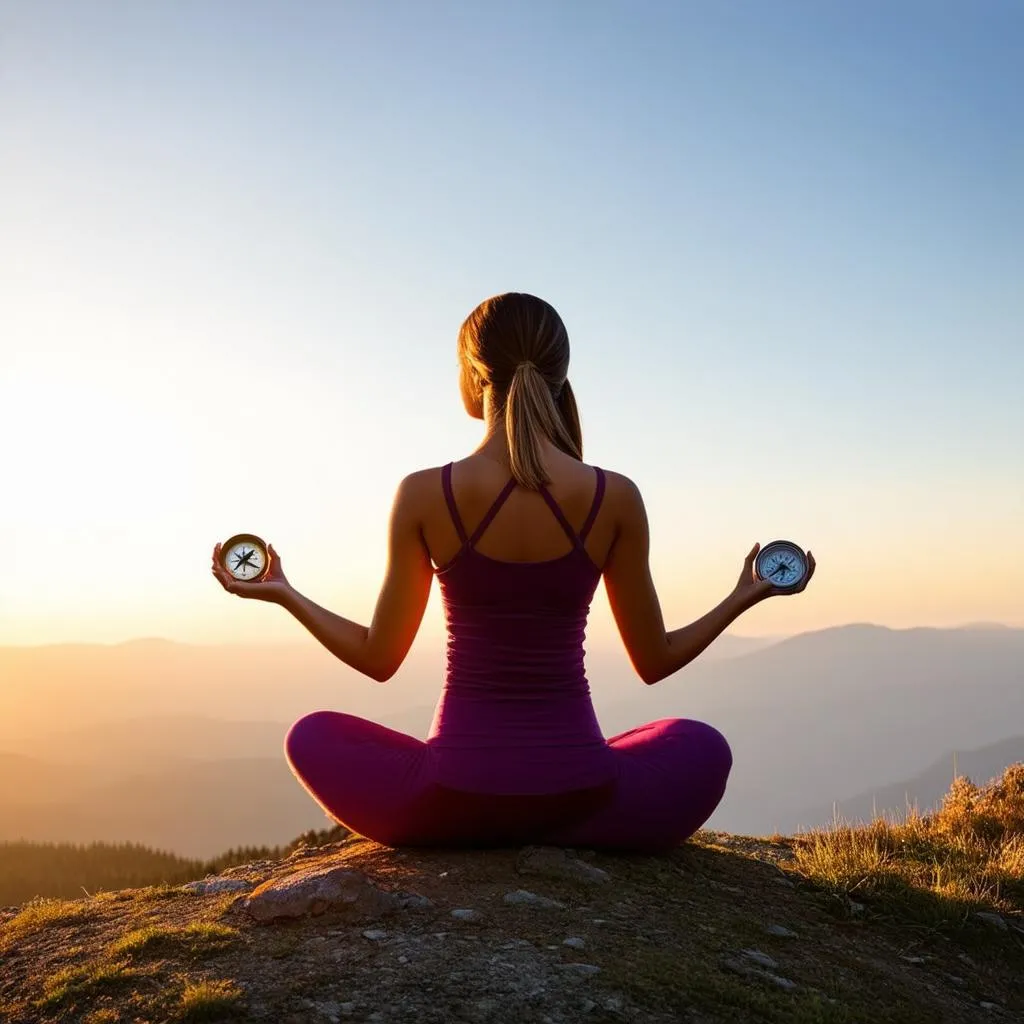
{"x": 515, "y": 715}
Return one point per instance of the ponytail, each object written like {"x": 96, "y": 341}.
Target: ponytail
{"x": 531, "y": 416}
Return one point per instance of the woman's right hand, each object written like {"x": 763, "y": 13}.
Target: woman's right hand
{"x": 273, "y": 587}
{"x": 750, "y": 589}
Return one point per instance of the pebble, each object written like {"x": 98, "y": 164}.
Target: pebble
{"x": 781, "y": 932}
{"x": 761, "y": 959}
{"x": 413, "y": 901}
{"x": 466, "y": 914}
{"x": 375, "y": 934}
{"x": 986, "y": 1005}
{"x": 586, "y": 970}
{"x": 209, "y": 886}
{"x": 521, "y": 897}
{"x": 915, "y": 959}
{"x": 574, "y": 942}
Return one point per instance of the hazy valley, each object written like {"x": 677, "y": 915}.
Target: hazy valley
{"x": 192, "y": 759}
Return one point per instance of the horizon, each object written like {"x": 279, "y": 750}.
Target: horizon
{"x": 305, "y": 640}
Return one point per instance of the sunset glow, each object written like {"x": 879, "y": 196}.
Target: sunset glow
{"x": 230, "y": 300}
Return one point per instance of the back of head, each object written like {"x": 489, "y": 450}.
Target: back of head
{"x": 517, "y": 345}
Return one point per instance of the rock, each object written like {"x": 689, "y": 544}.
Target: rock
{"x": 209, "y": 886}
{"x": 413, "y": 901}
{"x": 761, "y": 959}
{"x": 554, "y": 862}
{"x": 585, "y": 970}
{"x": 574, "y": 942}
{"x": 316, "y": 890}
{"x": 992, "y": 920}
{"x": 915, "y": 959}
{"x": 375, "y": 934}
{"x": 780, "y": 932}
{"x": 466, "y": 914}
{"x": 987, "y": 1005}
{"x": 747, "y": 969}
{"x": 521, "y": 897}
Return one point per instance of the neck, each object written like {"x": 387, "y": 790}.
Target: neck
{"x": 494, "y": 445}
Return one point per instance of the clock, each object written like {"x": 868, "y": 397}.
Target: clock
{"x": 245, "y": 557}
{"x": 782, "y": 563}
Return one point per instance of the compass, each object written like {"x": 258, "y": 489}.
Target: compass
{"x": 782, "y": 563}
{"x": 245, "y": 557}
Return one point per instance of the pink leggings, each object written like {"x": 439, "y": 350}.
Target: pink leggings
{"x": 380, "y": 783}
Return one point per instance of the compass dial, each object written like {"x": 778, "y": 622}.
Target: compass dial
{"x": 245, "y": 557}
{"x": 781, "y": 562}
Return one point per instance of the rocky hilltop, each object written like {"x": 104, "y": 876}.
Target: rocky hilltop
{"x": 724, "y": 929}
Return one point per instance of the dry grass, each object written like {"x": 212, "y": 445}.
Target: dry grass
{"x": 967, "y": 855}
{"x": 71, "y": 985}
{"x": 44, "y": 913}
{"x": 207, "y": 1000}
{"x": 199, "y": 938}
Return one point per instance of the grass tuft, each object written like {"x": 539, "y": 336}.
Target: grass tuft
{"x": 200, "y": 938}
{"x": 70, "y": 985}
{"x": 44, "y": 913}
{"x": 104, "y": 1016}
{"x": 207, "y": 1001}
{"x": 938, "y": 867}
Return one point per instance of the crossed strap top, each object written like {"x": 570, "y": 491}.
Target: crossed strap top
{"x": 515, "y": 678}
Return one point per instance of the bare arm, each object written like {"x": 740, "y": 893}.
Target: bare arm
{"x": 379, "y": 649}
{"x": 654, "y": 651}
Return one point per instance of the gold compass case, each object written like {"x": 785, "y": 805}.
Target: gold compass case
{"x": 245, "y": 557}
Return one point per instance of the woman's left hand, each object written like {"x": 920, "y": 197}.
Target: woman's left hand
{"x": 273, "y": 586}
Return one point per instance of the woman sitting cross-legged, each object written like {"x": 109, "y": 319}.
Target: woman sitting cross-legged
{"x": 518, "y": 535}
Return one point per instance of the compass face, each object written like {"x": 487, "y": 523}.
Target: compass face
{"x": 781, "y": 562}
{"x": 245, "y": 557}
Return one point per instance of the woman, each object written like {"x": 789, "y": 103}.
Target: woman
{"x": 518, "y": 535}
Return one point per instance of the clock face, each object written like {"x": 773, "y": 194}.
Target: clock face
{"x": 783, "y": 563}
{"x": 245, "y": 557}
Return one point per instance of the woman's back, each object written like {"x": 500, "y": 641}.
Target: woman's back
{"x": 524, "y": 529}
{"x": 516, "y": 595}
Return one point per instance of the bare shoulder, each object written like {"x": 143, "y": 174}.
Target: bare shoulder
{"x": 621, "y": 492}
{"x": 417, "y": 490}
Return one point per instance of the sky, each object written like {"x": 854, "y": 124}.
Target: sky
{"x": 237, "y": 241}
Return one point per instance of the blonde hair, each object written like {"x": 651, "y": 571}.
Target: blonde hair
{"x": 517, "y": 345}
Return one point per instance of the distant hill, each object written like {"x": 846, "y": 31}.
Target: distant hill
{"x": 925, "y": 790}
{"x": 193, "y": 808}
{"x": 810, "y": 718}
{"x": 840, "y": 711}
